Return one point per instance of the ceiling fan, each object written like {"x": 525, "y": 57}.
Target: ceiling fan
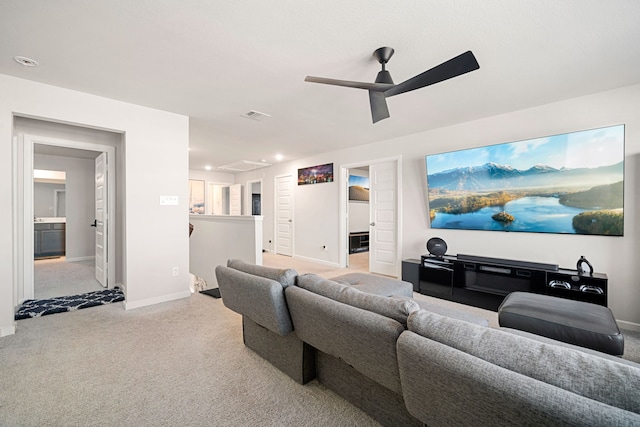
{"x": 384, "y": 86}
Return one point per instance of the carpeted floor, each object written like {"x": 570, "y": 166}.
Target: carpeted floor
{"x": 180, "y": 363}
{"x": 58, "y": 277}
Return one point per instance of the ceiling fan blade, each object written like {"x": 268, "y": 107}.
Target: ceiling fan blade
{"x": 377, "y": 87}
{"x": 379, "y": 110}
{"x": 454, "y": 67}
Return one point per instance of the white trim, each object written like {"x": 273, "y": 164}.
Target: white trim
{"x": 344, "y": 218}
{"x": 27, "y": 220}
{"x": 157, "y": 300}
{"x": 275, "y": 213}
{"x": 25, "y": 240}
{"x": 249, "y": 199}
{"x": 17, "y": 258}
{"x": 8, "y": 330}
{"x": 317, "y": 261}
{"x": 80, "y": 258}
{"x": 628, "y": 325}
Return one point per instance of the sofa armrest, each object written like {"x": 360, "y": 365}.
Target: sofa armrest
{"x": 260, "y": 299}
{"x": 445, "y": 386}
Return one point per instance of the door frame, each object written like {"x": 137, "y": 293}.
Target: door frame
{"x": 23, "y": 245}
{"x": 248, "y": 199}
{"x": 275, "y": 212}
{"x": 344, "y": 209}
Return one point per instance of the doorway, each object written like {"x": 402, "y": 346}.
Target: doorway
{"x": 81, "y": 246}
{"x": 284, "y": 214}
{"x": 254, "y": 197}
{"x": 358, "y": 214}
{"x": 381, "y": 233}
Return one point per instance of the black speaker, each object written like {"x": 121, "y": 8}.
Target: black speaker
{"x": 436, "y": 246}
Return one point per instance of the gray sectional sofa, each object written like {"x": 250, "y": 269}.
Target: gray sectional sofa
{"x": 407, "y": 363}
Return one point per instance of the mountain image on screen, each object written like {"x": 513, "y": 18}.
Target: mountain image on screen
{"x": 579, "y": 190}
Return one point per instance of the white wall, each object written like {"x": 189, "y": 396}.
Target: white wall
{"x": 80, "y": 202}
{"x": 218, "y": 238}
{"x": 316, "y": 210}
{"x": 155, "y": 237}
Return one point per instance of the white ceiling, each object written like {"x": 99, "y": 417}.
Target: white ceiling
{"x": 215, "y": 60}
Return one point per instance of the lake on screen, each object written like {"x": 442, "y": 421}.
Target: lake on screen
{"x": 535, "y": 214}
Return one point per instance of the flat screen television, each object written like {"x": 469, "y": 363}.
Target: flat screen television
{"x": 569, "y": 184}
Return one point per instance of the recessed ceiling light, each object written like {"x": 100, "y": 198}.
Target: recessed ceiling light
{"x": 27, "y": 62}
{"x": 279, "y": 157}
{"x": 207, "y": 167}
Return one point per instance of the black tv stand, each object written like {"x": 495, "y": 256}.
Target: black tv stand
{"x": 484, "y": 282}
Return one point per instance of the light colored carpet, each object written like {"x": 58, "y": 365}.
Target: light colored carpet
{"x": 358, "y": 263}
{"x": 180, "y": 363}
{"x": 56, "y": 278}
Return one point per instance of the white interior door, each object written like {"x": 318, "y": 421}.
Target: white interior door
{"x": 101, "y": 223}
{"x": 235, "y": 199}
{"x": 284, "y": 215}
{"x": 383, "y": 228}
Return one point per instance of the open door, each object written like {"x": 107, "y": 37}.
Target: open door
{"x": 101, "y": 224}
{"x": 383, "y": 228}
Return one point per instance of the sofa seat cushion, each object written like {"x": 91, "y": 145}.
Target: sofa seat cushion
{"x": 394, "y": 308}
{"x": 596, "y": 378}
{"x": 377, "y": 285}
{"x": 286, "y": 277}
{"x": 363, "y": 339}
{"x": 574, "y": 322}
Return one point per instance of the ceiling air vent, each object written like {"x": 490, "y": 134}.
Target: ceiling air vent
{"x": 255, "y": 115}
{"x": 244, "y": 166}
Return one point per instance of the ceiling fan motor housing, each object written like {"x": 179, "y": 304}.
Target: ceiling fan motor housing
{"x": 384, "y": 77}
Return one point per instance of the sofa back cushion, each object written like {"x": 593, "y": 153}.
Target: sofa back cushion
{"x": 397, "y": 309}
{"x": 361, "y": 338}
{"x": 259, "y": 298}
{"x": 593, "y": 377}
{"x": 286, "y": 277}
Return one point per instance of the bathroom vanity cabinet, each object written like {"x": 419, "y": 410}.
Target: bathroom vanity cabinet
{"x": 49, "y": 239}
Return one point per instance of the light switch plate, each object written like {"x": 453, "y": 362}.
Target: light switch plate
{"x": 168, "y": 200}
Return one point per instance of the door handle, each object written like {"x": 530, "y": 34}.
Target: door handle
{"x": 373, "y": 224}
{"x": 95, "y": 223}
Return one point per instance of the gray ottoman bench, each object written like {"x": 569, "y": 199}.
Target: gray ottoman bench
{"x": 574, "y": 322}
{"x": 377, "y": 285}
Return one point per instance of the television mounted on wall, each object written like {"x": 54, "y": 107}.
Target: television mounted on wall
{"x": 570, "y": 183}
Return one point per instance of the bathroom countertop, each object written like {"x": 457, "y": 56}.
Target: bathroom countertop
{"x": 50, "y": 219}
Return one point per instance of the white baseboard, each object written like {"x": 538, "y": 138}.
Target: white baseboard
{"x": 80, "y": 258}
{"x": 7, "y": 330}
{"x": 318, "y": 261}
{"x": 156, "y": 300}
{"x": 628, "y": 325}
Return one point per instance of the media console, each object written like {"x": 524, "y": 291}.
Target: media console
{"x": 484, "y": 282}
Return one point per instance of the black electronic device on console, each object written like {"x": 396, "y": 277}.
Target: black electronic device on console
{"x": 436, "y": 246}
